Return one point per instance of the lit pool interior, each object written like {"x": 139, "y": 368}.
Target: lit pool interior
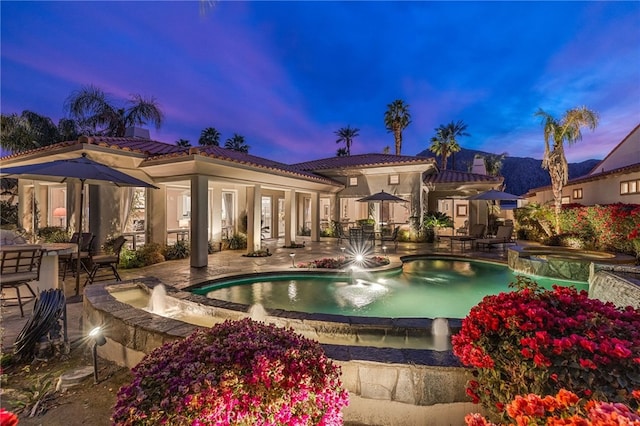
{"x": 424, "y": 288}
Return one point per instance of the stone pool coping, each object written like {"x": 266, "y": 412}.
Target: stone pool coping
{"x": 384, "y": 383}
{"x": 101, "y": 307}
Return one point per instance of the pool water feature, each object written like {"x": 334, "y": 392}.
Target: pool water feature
{"x": 423, "y": 288}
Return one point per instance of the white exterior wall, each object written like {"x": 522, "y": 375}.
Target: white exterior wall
{"x": 625, "y": 154}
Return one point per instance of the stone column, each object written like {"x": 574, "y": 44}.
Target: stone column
{"x": 199, "y": 226}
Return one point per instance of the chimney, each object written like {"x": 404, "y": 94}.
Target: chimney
{"x": 479, "y": 166}
{"x": 136, "y": 133}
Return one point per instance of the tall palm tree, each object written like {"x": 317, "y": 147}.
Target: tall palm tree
{"x": 237, "y": 143}
{"x": 96, "y": 114}
{"x": 556, "y": 132}
{"x": 209, "y": 137}
{"x": 444, "y": 143}
{"x": 185, "y": 143}
{"x": 396, "y": 119}
{"x": 346, "y": 135}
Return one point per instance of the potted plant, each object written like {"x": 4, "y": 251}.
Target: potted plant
{"x": 431, "y": 221}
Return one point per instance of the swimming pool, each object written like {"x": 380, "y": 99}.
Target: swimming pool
{"x": 423, "y": 288}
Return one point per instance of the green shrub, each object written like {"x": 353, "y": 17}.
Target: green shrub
{"x": 53, "y": 234}
{"x": 129, "y": 259}
{"x": 179, "y": 250}
{"x": 238, "y": 241}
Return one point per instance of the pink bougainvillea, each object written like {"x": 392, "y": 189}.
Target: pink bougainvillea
{"x": 238, "y": 372}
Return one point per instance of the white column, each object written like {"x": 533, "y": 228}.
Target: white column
{"x": 156, "y": 215}
{"x": 254, "y": 213}
{"x": 199, "y": 215}
{"x": 315, "y": 216}
{"x": 216, "y": 214}
{"x": 289, "y": 217}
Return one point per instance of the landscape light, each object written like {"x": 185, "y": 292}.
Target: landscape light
{"x": 98, "y": 340}
{"x": 293, "y": 262}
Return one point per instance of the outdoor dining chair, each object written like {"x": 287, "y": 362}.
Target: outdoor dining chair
{"x": 70, "y": 261}
{"x": 20, "y": 265}
{"x": 393, "y": 237}
{"x": 106, "y": 261}
{"x": 338, "y": 230}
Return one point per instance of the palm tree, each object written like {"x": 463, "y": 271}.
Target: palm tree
{"x": 556, "y": 132}
{"x": 26, "y": 131}
{"x": 396, "y": 119}
{"x": 97, "y": 115}
{"x": 346, "y": 135}
{"x": 237, "y": 143}
{"x": 209, "y": 137}
{"x": 493, "y": 163}
{"x": 185, "y": 143}
{"x": 444, "y": 143}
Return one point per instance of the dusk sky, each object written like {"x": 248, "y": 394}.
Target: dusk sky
{"x": 287, "y": 75}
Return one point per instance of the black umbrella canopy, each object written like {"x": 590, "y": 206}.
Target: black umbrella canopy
{"x": 82, "y": 168}
{"x": 494, "y": 195}
{"x": 383, "y": 196}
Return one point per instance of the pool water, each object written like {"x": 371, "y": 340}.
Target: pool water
{"x": 425, "y": 288}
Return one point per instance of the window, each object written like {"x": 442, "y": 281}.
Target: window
{"x": 629, "y": 187}
{"x": 353, "y": 181}
{"x": 394, "y": 179}
{"x": 461, "y": 210}
{"x": 577, "y": 194}
{"x": 566, "y": 200}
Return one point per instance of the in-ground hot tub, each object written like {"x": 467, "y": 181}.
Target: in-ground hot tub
{"x": 559, "y": 262}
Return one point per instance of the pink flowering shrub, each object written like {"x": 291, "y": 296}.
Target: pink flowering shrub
{"x": 238, "y": 372}
{"x": 563, "y": 409}
{"x": 539, "y": 341}
{"x": 342, "y": 262}
{"x": 602, "y": 227}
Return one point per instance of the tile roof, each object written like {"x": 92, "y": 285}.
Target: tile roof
{"x": 362, "y": 160}
{"x": 454, "y": 176}
{"x": 248, "y": 159}
{"x": 142, "y": 146}
{"x": 588, "y": 178}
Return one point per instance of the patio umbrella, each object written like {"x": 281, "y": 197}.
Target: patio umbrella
{"x": 82, "y": 168}
{"x": 382, "y": 197}
{"x": 494, "y": 195}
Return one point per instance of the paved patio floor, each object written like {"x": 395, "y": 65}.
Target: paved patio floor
{"x": 180, "y": 274}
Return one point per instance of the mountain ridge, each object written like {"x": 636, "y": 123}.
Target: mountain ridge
{"x": 520, "y": 173}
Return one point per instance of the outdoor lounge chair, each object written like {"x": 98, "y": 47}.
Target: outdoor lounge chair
{"x": 476, "y": 232}
{"x": 503, "y": 237}
{"x": 19, "y": 266}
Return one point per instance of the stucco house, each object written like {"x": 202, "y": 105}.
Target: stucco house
{"x": 207, "y": 194}
{"x": 616, "y": 179}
